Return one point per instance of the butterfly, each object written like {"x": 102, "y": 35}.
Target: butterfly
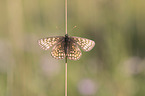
{"x": 66, "y": 46}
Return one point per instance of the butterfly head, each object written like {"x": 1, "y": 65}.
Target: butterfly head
{"x": 66, "y": 35}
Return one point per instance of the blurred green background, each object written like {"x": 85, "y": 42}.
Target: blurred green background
{"x": 115, "y": 67}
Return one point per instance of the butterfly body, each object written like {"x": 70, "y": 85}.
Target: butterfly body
{"x": 66, "y": 46}
{"x": 66, "y": 41}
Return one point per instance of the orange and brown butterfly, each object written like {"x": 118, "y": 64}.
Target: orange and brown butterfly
{"x": 66, "y": 46}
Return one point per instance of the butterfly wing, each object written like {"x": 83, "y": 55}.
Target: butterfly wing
{"x": 73, "y": 51}
{"x": 84, "y": 43}
{"x": 58, "y": 51}
{"x": 46, "y": 43}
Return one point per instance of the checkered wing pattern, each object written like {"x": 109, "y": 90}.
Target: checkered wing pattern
{"x": 58, "y": 51}
{"x": 73, "y": 51}
{"x": 84, "y": 43}
{"x": 47, "y": 43}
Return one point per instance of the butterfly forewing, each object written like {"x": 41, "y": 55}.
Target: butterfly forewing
{"x": 58, "y": 51}
{"x": 73, "y": 51}
{"x": 84, "y": 43}
{"x": 46, "y": 43}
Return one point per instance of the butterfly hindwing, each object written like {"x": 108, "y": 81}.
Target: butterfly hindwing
{"x": 46, "y": 43}
{"x": 73, "y": 51}
{"x": 58, "y": 51}
{"x": 84, "y": 43}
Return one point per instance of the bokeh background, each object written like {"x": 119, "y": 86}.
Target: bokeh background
{"x": 115, "y": 67}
